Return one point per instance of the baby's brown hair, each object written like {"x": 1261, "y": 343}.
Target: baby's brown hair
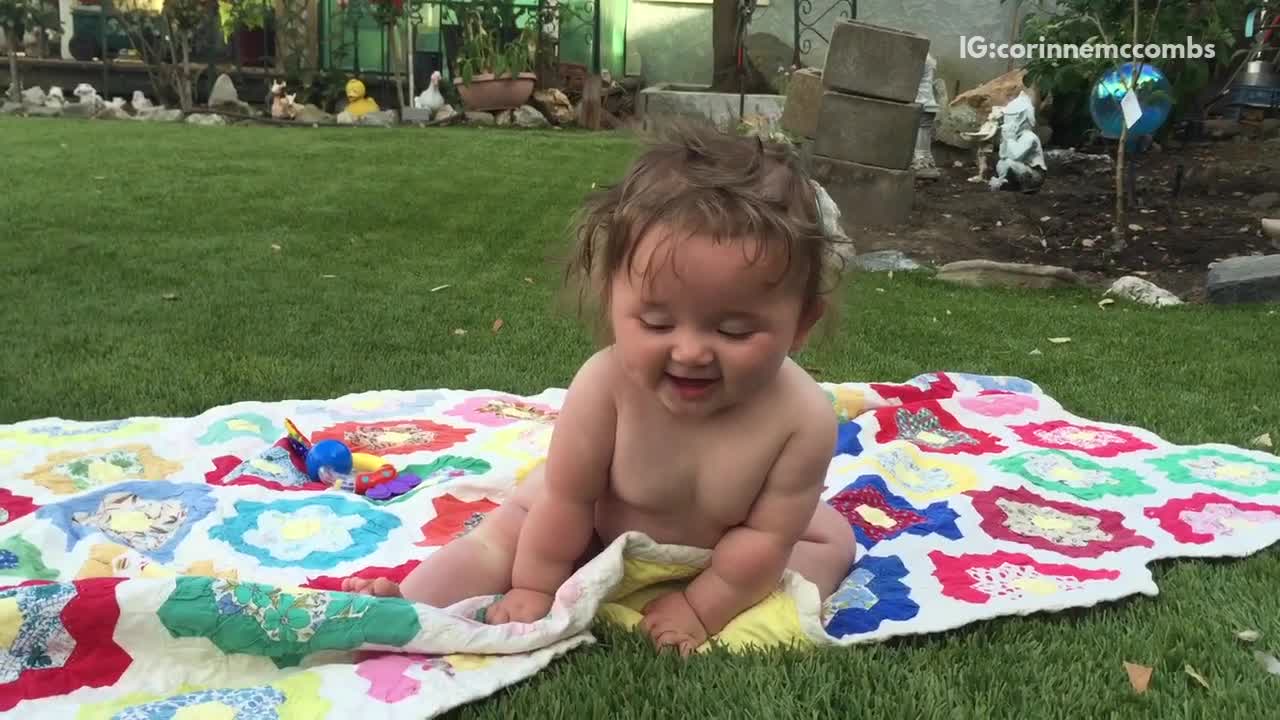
{"x": 701, "y": 181}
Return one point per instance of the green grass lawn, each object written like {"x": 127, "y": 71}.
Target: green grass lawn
{"x": 162, "y": 270}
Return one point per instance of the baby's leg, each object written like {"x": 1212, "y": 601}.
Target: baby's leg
{"x": 826, "y": 550}
{"x": 478, "y": 563}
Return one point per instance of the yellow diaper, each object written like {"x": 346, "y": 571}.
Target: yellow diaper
{"x": 773, "y": 621}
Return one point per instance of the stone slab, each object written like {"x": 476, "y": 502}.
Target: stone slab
{"x": 804, "y": 101}
{"x": 867, "y": 131}
{"x": 875, "y": 61}
{"x": 989, "y": 273}
{"x": 1254, "y": 278}
{"x": 667, "y": 100}
{"x": 867, "y": 196}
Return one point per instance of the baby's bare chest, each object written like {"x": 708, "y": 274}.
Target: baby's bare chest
{"x": 714, "y": 472}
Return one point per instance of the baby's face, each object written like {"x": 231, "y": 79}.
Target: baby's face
{"x": 711, "y": 326}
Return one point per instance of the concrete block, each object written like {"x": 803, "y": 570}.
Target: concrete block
{"x": 875, "y": 61}
{"x": 804, "y": 101}
{"x": 1250, "y": 278}
{"x": 867, "y": 196}
{"x": 867, "y": 131}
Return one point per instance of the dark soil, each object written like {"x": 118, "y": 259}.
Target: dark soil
{"x": 1068, "y": 222}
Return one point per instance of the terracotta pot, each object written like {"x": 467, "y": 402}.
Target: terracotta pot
{"x": 486, "y": 93}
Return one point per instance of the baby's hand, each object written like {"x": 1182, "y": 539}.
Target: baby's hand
{"x": 670, "y": 620}
{"x": 519, "y": 605}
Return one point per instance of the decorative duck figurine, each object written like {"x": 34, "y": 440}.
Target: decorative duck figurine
{"x": 357, "y": 103}
{"x": 431, "y": 99}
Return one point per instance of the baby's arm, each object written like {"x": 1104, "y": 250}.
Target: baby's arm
{"x": 561, "y": 521}
{"x": 748, "y": 562}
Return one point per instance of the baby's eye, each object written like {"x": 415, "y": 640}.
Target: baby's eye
{"x": 737, "y": 334}
{"x": 655, "y": 324}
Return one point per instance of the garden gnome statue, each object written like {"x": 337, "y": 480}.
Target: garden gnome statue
{"x": 357, "y": 103}
{"x": 1021, "y": 164}
{"x": 922, "y": 162}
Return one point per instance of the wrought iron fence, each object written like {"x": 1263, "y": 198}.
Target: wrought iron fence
{"x": 808, "y": 24}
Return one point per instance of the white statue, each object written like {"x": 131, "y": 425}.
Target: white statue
{"x": 1021, "y": 164}
{"x": 982, "y": 142}
{"x": 87, "y": 95}
{"x": 922, "y": 162}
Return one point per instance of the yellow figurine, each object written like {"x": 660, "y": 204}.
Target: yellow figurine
{"x": 357, "y": 103}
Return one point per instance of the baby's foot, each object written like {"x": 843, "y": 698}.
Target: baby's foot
{"x": 379, "y": 587}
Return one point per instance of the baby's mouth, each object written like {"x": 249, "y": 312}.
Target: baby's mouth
{"x": 691, "y": 387}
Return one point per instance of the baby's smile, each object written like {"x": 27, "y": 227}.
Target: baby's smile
{"x": 691, "y": 388}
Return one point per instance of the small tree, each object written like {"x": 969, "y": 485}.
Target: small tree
{"x": 15, "y": 17}
{"x": 165, "y": 41}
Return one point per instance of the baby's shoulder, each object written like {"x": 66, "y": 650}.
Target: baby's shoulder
{"x": 802, "y": 396}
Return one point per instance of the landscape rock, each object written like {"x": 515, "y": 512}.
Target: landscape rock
{"x": 481, "y": 118}
{"x": 1252, "y": 278}
{"x": 80, "y": 109}
{"x": 112, "y": 112}
{"x": 43, "y": 111}
{"x": 504, "y": 118}
{"x": 312, "y": 115}
{"x": 163, "y": 115}
{"x": 1271, "y": 231}
{"x": 346, "y": 118}
{"x": 885, "y": 261}
{"x": 10, "y": 108}
{"x": 1142, "y": 291}
{"x": 803, "y": 103}
{"x": 771, "y": 56}
{"x": 1265, "y": 201}
{"x": 33, "y": 96}
{"x": 527, "y": 116}
{"x": 223, "y": 92}
{"x": 223, "y": 96}
{"x": 414, "y": 116}
{"x": 206, "y": 119}
{"x": 968, "y": 110}
{"x": 378, "y": 118}
{"x": 445, "y": 112}
{"x": 989, "y": 273}
{"x": 554, "y": 104}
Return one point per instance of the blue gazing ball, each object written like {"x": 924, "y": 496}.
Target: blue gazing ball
{"x": 1155, "y": 96}
{"x": 331, "y": 454}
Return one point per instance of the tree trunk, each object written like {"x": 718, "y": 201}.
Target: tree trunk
{"x": 185, "y": 99}
{"x": 15, "y": 87}
{"x": 724, "y": 37}
{"x": 395, "y": 59}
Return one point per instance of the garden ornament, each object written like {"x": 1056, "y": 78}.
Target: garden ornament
{"x": 922, "y": 163}
{"x": 282, "y": 106}
{"x": 1021, "y": 164}
{"x": 983, "y": 139}
{"x": 358, "y": 104}
{"x": 87, "y": 95}
{"x": 430, "y": 100}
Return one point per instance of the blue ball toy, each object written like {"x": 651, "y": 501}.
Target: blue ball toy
{"x": 1155, "y": 96}
{"x": 331, "y": 454}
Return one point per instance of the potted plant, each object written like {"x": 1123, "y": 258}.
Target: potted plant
{"x": 493, "y": 75}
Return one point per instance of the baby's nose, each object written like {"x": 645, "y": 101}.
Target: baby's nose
{"x": 692, "y": 351}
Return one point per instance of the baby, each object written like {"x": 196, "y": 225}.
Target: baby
{"x": 692, "y": 425}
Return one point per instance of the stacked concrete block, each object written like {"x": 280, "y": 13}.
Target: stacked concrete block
{"x": 862, "y": 128}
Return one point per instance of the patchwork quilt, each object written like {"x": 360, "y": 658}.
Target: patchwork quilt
{"x": 171, "y": 568}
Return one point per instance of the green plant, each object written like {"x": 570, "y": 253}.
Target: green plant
{"x": 251, "y": 14}
{"x": 1077, "y": 23}
{"x": 483, "y": 51}
{"x": 15, "y": 17}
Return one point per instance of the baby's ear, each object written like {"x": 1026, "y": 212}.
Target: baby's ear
{"x": 809, "y": 317}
